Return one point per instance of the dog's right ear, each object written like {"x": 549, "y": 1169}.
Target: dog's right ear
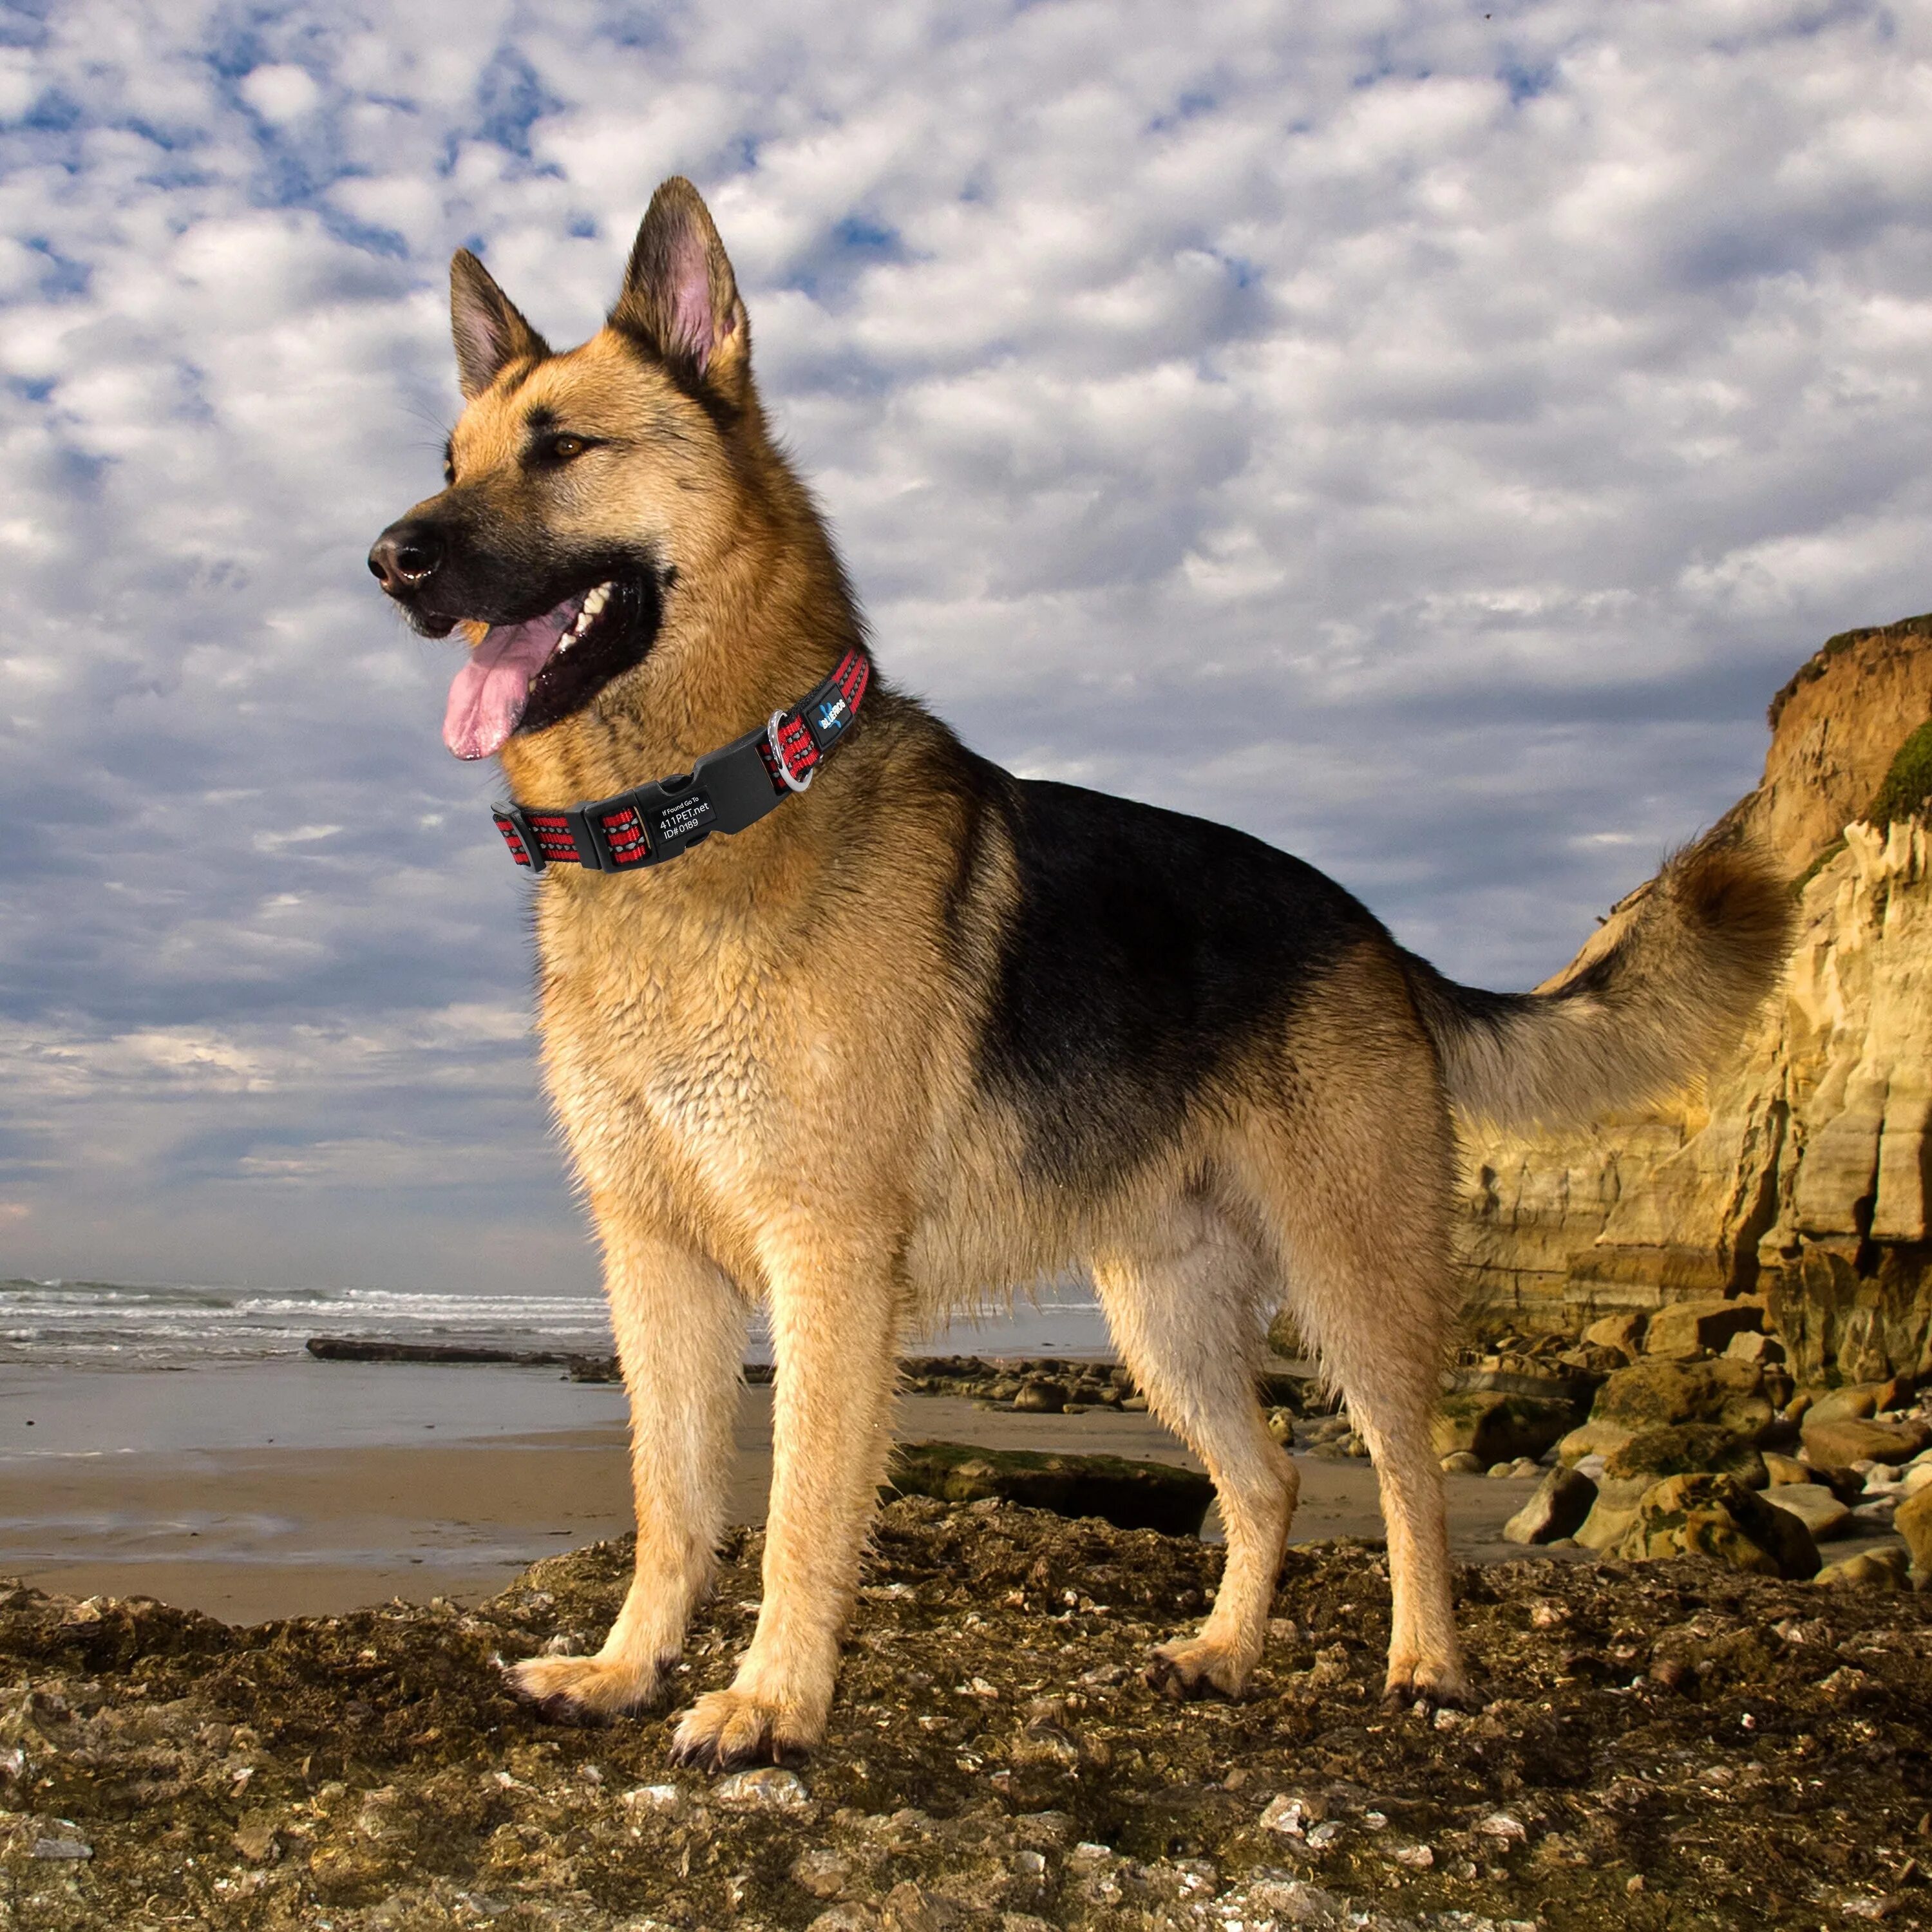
{"x": 490, "y": 333}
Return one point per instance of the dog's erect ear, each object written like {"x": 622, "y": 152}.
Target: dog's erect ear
{"x": 490, "y": 332}
{"x": 680, "y": 296}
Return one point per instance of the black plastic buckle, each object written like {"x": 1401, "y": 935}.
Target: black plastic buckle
{"x": 725, "y": 791}
{"x": 673, "y": 814}
{"x": 512, "y": 816}
{"x": 677, "y": 813}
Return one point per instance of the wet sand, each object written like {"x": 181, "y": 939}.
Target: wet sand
{"x": 302, "y": 1501}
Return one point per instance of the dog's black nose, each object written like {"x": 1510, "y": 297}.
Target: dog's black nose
{"x": 405, "y": 556}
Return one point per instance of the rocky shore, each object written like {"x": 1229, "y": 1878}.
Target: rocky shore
{"x": 1036, "y": 1385}
{"x": 1663, "y": 1744}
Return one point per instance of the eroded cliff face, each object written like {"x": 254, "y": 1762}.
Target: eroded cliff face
{"x": 1801, "y": 1172}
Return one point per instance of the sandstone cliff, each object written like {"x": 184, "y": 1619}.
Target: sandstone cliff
{"x": 1801, "y": 1172}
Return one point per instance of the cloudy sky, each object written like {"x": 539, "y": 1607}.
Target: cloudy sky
{"x": 1423, "y": 435}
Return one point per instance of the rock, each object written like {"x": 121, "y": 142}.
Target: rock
{"x": 64, "y": 1846}
{"x": 1814, "y": 1506}
{"x": 1623, "y": 1332}
{"x": 1837, "y": 1444}
{"x": 821, "y": 1872}
{"x": 666, "y": 1798}
{"x": 1281, "y": 1426}
{"x": 852, "y": 1917}
{"x": 1779, "y": 1468}
{"x": 1686, "y": 1329}
{"x": 767, "y": 1788}
{"x": 1683, "y": 1448}
{"x": 1654, "y": 1393}
{"x": 348, "y": 1348}
{"x": 1577, "y": 1389}
{"x": 1592, "y": 1441}
{"x": 1039, "y": 1395}
{"x": 1913, "y": 1479}
{"x": 1133, "y": 1495}
{"x": 256, "y": 1836}
{"x": 911, "y": 1908}
{"x": 1716, "y": 1516}
{"x": 1855, "y": 1401}
{"x": 1497, "y": 1428}
{"x": 1649, "y": 1456}
{"x": 1612, "y": 1513}
{"x": 1753, "y": 1346}
{"x": 1912, "y": 1519}
{"x": 1870, "y": 1569}
{"x": 1285, "y": 1814}
{"x": 1280, "y": 1388}
{"x": 1462, "y": 1463}
{"x": 1284, "y": 1338}
{"x": 1562, "y": 1500}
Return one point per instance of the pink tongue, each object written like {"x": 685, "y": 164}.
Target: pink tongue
{"x": 488, "y": 696}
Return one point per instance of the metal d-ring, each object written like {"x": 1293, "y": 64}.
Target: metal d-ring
{"x": 778, "y": 757}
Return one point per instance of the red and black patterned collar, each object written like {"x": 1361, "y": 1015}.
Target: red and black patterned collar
{"x": 726, "y": 790}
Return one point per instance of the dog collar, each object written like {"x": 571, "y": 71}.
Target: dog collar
{"x": 726, "y": 790}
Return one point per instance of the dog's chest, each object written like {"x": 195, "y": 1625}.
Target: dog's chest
{"x": 693, "y": 1029}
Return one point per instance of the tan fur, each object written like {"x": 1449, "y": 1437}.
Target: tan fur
{"x": 1669, "y": 983}
{"x": 763, "y": 1058}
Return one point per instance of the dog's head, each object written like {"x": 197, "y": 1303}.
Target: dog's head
{"x": 578, "y": 487}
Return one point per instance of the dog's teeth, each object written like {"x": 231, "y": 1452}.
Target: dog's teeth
{"x": 594, "y": 601}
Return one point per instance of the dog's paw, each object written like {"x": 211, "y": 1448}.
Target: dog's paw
{"x": 584, "y": 1690}
{"x": 1435, "y": 1687}
{"x": 726, "y": 1730}
{"x": 1192, "y": 1667}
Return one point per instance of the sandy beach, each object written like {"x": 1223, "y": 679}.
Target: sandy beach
{"x": 297, "y": 1488}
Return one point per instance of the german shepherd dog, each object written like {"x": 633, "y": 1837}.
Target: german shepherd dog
{"x": 931, "y": 1030}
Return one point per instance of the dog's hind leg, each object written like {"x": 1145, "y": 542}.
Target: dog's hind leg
{"x": 835, "y": 1323}
{"x": 1363, "y": 1211}
{"x": 1184, "y": 1302}
{"x": 680, "y": 1325}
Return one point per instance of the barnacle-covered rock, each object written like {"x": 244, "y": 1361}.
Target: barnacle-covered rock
{"x": 995, "y": 1763}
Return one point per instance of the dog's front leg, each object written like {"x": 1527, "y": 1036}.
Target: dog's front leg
{"x": 680, "y": 1328}
{"x": 833, "y": 1328}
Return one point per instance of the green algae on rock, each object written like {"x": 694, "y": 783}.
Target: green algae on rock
{"x": 1495, "y": 1427}
{"x": 1129, "y": 1494}
{"x": 1752, "y": 1750}
{"x": 1715, "y": 1516}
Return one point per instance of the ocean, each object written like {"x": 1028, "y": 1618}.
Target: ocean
{"x": 110, "y": 1325}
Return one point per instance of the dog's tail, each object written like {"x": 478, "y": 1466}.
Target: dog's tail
{"x": 1669, "y": 982}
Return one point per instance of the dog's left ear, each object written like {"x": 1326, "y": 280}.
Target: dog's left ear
{"x": 680, "y": 297}
{"x": 490, "y": 329}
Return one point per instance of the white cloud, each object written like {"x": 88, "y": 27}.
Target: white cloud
{"x": 280, "y": 93}
{"x": 1424, "y": 438}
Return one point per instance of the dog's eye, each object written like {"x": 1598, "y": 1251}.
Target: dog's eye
{"x": 563, "y": 447}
